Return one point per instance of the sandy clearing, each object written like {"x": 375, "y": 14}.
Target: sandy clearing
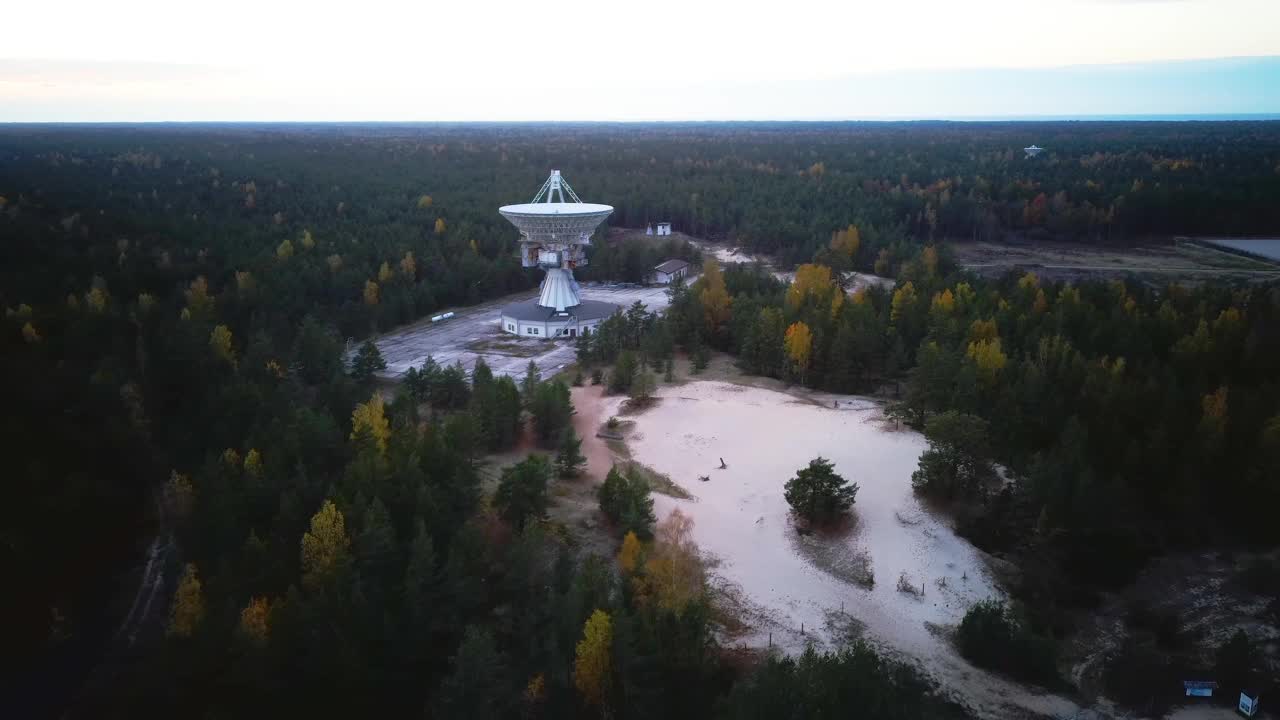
{"x": 795, "y": 591}
{"x": 742, "y": 517}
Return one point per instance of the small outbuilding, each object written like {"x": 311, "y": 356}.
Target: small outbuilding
{"x": 670, "y": 271}
{"x": 1249, "y": 702}
{"x": 664, "y": 228}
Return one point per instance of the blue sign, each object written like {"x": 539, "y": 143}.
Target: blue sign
{"x": 1199, "y": 692}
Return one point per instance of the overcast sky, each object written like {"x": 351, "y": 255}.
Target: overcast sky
{"x": 89, "y": 60}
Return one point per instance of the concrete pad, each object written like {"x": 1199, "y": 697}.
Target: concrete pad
{"x": 475, "y": 332}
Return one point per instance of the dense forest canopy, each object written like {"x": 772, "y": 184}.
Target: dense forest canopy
{"x": 177, "y": 304}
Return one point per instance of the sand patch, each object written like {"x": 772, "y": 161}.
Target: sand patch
{"x": 825, "y": 588}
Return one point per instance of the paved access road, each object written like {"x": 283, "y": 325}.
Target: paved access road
{"x": 475, "y": 332}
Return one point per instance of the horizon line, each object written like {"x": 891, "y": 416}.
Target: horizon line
{"x": 1017, "y": 117}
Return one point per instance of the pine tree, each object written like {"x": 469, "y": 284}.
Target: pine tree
{"x": 368, "y": 360}
{"x": 477, "y": 686}
{"x": 818, "y": 494}
{"x": 530, "y": 382}
{"x": 700, "y": 353}
{"x": 624, "y": 499}
{"x": 624, "y": 372}
{"x": 957, "y": 464}
{"x": 376, "y": 542}
{"x": 552, "y": 411}
{"x": 642, "y": 387}
{"x": 522, "y": 491}
{"x": 421, "y": 578}
{"x": 569, "y": 459}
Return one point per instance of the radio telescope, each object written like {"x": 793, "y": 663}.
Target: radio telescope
{"x": 554, "y": 230}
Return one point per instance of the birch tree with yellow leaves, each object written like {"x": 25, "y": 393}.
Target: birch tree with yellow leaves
{"x": 799, "y": 345}
{"x": 187, "y": 611}
{"x": 592, "y": 666}
{"x": 370, "y": 419}
{"x": 326, "y": 548}
{"x": 715, "y": 299}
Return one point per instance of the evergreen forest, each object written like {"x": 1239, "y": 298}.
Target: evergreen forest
{"x": 185, "y": 383}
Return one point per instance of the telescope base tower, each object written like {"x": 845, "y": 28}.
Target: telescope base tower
{"x": 530, "y": 319}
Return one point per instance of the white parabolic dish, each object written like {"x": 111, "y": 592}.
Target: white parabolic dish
{"x": 558, "y": 208}
{"x": 558, "y": 222}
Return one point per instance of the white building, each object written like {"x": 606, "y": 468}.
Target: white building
{"x": 664, "y": 228}
{"x": 1032, "y": 151}
{"x": 669, "y": 271}
{"x": 530, "y": 319}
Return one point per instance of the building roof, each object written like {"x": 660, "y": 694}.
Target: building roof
{"x": 672, "y": 266}
{"x": 531, "y": 311}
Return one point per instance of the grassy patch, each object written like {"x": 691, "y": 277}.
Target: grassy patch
{"x": 619, "y": 448}
{"x": 504, "y": 346}
{"x": 658, "y": 482}
{"x": 636, "y": 407}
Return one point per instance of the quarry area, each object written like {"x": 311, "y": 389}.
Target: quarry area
{"x": 1182, "y": 261}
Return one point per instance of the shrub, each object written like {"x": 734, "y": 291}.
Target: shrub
{"x": 1141, "y": 677}
{"x": 956, "y": 465}
{"x": 906, "y": 586}
{"x": 624, "y": 498}
{"x": 990, "y": 637}
{"x": 854, "y": 682}
{"x": 569, "y": 457}
{"x": 522, "y": 491}
{"x": 624, "y": 372}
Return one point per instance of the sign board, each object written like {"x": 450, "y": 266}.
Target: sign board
{"x": 1199, "y": 692}
{"x": 1199, "y": 688}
